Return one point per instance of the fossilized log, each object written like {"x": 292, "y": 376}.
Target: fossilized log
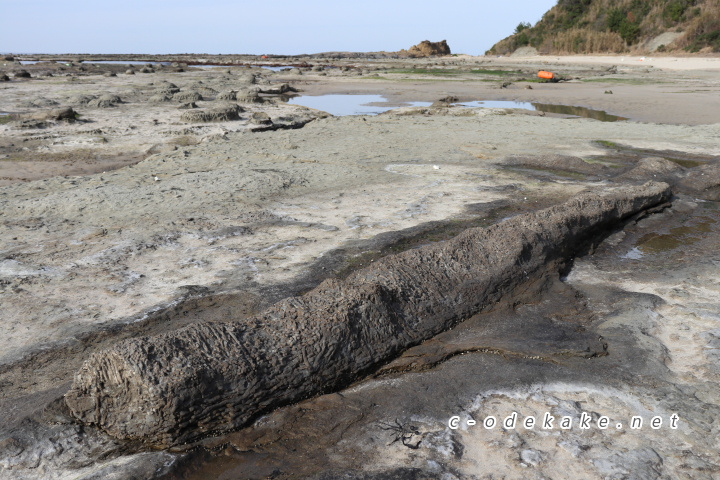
{"x": 211, "y": 378}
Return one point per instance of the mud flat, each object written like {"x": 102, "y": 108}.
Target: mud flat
{"x": 139, "y": 221}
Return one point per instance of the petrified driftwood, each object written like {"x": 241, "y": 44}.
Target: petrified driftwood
{"x": 211, "y": 378}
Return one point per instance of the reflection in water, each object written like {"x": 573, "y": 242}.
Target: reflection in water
{"x": 676, "y": 237}
{"x": 273, "y": 68}
{"x": 577, "y": 111}
{"x": 497, "y": 104}
{"x": 343, "y": 104}
{"x": 340, "y": 105}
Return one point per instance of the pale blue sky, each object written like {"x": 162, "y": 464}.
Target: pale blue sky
{"x": 275, "y": 26}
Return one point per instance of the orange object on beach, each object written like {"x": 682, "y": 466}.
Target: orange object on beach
{"x": 546, "y": 75}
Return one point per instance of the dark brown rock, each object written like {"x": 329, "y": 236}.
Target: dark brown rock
{"x": 211, "y": 378}
{"x": 427, "y": 49}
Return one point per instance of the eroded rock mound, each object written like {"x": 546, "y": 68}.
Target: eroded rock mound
{"x": 277, "y": 89}
{"x": 221, "y": 114}
{"x": 210, "y": 378}
{"x": 703, "y": 181}
{"x": 427, "y": 49}
{"x": 203, "y": 89}
{"x": 160, "y": 98}
{"x": 189, "y": 96}
{"x": 55, "y": 115}
{"x": 249, "y": 95}
{"x": 227, "y": 95}
{"x": 105, "y": 101}
{"x": 657, "y": 168}
{"x": 81, "y": 100}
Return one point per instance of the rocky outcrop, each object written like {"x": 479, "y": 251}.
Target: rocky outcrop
{"x": 188, "y": 96}
{"x": 105, "y": 101}
{"x": 703, "y": 181}
{"x": 203, "y": 89}
{"x": 657, "y": 168}
{"x": 211, "y": 378}
{"x": 277, "y": 89}
{"x": 220, "y": 114}
{"x": 428, "y": 49}
{"x": 227, "y": 95}
{"x": 249, "y": 95}
{"x": 56, "y": 114}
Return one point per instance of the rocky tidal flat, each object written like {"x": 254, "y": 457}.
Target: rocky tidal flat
{"x": 200, "y": 279}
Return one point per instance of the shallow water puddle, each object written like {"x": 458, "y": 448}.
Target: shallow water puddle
{"x": 676, "y": 237}
{"x": 347, "y": 104}
{"x": 546, "y": 107}
{"x": 577, "y": 112}
{"x": 341, "y": 105}
{"x": 274, "y": 68}
{"x": 496, "y": 104}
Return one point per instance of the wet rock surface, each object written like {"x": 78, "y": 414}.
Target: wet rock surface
{"x": 173, "y": 389}
{"x": 655, "y": 358}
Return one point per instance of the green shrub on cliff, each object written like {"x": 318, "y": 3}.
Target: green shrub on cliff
{"x": 603, "y": 26}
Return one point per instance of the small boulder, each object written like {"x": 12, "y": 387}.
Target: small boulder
{"x": 81, "y": 99}
{"x": 203, "y": 89}
{"x": 249, "y": 95}
{"x": 168, "y": 90}
{"x": 221, "y": 114}
{"x": 277, "y": 89}
{"x": 55, "y": 115}
{"x": 160, "y": 98}
{"x": 189, "y": 96}
{"x": 248, "y": 79}
{"x": 105, "y": 101}
{"x": 260, "y": 118}
{"x": 227, "y": 95}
